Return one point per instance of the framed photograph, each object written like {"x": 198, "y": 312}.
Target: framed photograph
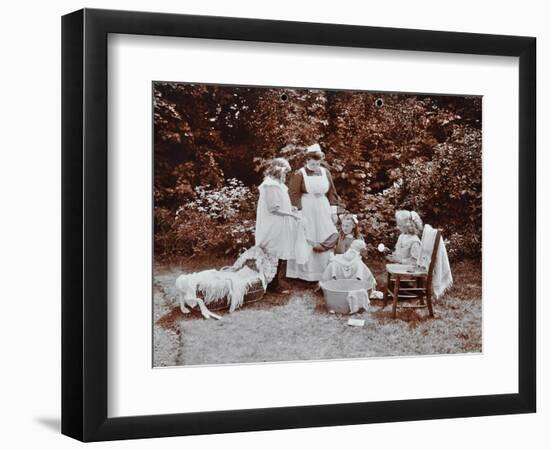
{"x": 273, "y": 224}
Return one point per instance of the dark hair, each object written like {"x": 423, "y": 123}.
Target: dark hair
{"x": 317, "y": 156}
{"x": 356, "y": 231}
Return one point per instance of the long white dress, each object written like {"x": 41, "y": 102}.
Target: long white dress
{"x": 317, "y": 216}
{"x": 275, "y": 233}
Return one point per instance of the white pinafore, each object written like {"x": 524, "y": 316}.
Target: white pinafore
{"x": 317, "y": 215}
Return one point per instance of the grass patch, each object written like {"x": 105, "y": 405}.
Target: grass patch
{"x": 299, "y": 327}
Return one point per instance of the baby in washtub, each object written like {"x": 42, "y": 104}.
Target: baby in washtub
{"x": 349, "y": 265}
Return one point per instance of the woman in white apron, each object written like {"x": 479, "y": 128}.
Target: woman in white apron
{"x": 276, "y": 223}
{"x": 312, "y": 192}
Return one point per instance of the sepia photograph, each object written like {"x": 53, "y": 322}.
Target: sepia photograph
{"x": 304, "y": 224}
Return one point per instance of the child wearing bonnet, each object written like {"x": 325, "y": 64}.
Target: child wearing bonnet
{"x": 408, "y": 246}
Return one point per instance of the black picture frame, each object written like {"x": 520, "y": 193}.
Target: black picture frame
{"x": 84, "y": 224}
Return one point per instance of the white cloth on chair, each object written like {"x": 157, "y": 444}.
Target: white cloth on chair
{"x": 442, "y": 278}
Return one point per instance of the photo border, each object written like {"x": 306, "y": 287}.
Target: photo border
{"x": 273, "y": 87}
{"x": 84, "y": 224}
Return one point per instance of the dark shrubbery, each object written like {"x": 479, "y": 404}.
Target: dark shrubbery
{"x": 211, "y": 144}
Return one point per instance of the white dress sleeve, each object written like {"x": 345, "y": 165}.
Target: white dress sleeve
{"x": 272, "y": 196}
{"x": 415, "y": 251}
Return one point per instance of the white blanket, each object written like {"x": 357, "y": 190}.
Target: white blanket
{"x": 216, "y": 284}
{"x": 442, "y": 278}
{"x": 266, "y": 263}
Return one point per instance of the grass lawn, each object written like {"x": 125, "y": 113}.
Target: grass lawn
{"x": 299, "y": 327}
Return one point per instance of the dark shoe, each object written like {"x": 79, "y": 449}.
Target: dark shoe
{"x": 277, "y": 290}
{"x": 281, "y": 275}
{"x": 278, "y": 285}
{"x": 284, "y": 284}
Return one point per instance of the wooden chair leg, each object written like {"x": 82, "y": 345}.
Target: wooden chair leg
{"x": 386, "y": 289}
{"x": 420, "y": 284}
{"x": 429, "y": 301}
{"x": 395, "y": 296}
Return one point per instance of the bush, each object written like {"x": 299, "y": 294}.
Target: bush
{"x": 217, "y": 221}
{"x": 446, "y": 191}
{"x": 212, "y": 142}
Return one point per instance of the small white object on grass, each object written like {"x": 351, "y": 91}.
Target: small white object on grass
{"x": 356, "y": 322}
{"x": 381, "y": 248}
{"x": 377, "y": 295}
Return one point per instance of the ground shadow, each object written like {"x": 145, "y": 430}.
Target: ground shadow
{"x": 53, "y": 423}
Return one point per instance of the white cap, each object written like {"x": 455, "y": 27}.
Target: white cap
{"x": 313, "y": 148}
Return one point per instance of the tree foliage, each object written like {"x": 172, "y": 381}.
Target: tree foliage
{"x": 385, "y": 152}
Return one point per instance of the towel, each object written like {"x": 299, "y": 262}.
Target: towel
{"x": 442, "y": 278}
{"x": 358, "y": 299}
{"x": 303, "y": 249}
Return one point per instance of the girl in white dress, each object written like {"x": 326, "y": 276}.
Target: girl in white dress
{"x": 408, "y": 246}
{"x": 276, "y": 224}
{"x": 311, "y": 188}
